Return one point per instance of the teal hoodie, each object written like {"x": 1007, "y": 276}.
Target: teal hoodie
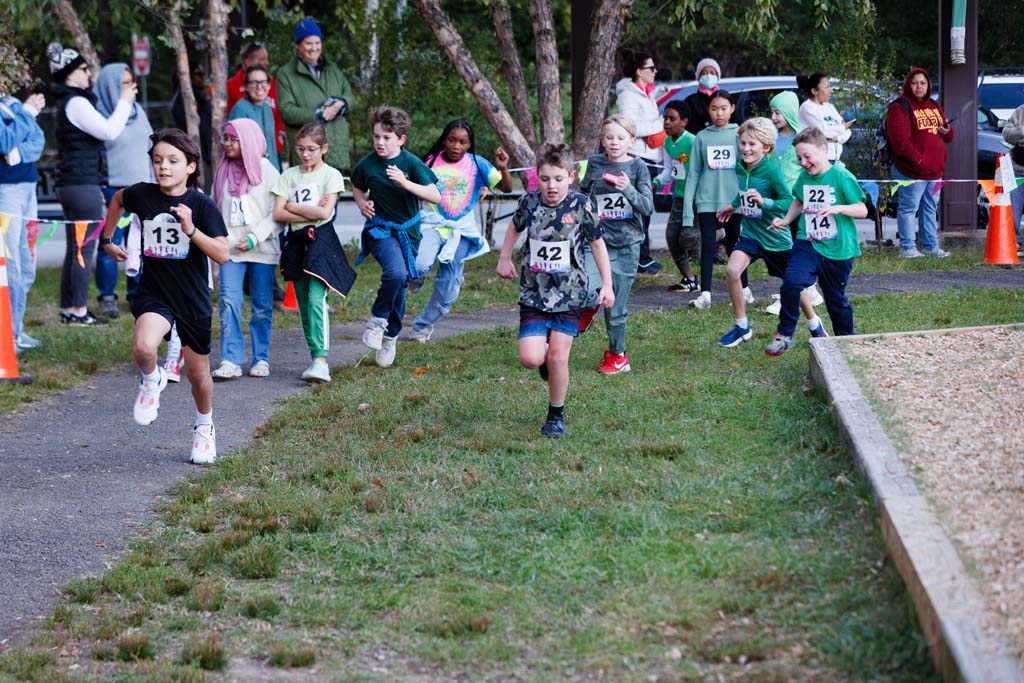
{"x": 789, "y": 105}
{"x": 765, "y": 177}
{"x": 712, "y": 180}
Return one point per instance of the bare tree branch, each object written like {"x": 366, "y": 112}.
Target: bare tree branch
{"x": 70, "y": 18}
{"x": 606, "y": 29}
{"x": 512, "y": 69}
{"x": 549, "y": 99}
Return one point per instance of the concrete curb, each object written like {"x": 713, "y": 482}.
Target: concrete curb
{"x": 949, "y": 606}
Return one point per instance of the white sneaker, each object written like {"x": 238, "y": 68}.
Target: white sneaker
{"x": 147, "y": 404}
{"x": 703, "y": 301}
{"x": 422, "y": 336}
{"x": 911, "y": 253}
{"x": 227, "y": 370}
{"x": 937, "y": 252}
{"x": 260, "y": 368}
{"x": 374, "y": 333}
{"x": 748, "y": 296}
{"x": 204, "y": 445}
{"x": 172, "y": 366}
{"x": 814, "y": 296}
{"x": 386, "y": 355}
{"x": 317, "y": 372}
{"x": 775, "y": 306}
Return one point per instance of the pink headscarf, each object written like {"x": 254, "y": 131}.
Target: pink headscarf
{"x": 242, "y": 174}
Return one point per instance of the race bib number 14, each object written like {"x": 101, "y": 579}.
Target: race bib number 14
{"x": 549, "y": 257}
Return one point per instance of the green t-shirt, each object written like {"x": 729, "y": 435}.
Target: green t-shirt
{"x": 678, "y": 151}
{"x": 834, "y": 237}
{"x": 309, "y": 188}
{"x": 765, "y": 177}
{"x": 391, "y": 202}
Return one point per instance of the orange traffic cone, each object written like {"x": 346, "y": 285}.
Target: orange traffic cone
{"x": 8, "y": 361}
{"x": 289, "y": 303}
{"x": 1000, "y": 244}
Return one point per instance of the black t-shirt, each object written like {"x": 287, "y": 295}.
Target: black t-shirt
{"x": 174, "y": 270}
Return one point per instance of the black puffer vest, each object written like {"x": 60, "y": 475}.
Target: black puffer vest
{"x": 83, "y": 158}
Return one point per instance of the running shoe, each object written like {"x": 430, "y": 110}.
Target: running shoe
{"x": 613, "y": 363}
{"x": 317, "y": 372}
{"x": 374, "y": 334}
{"x": 819, "y": 331}
{"x": 587, "y": 317}
{"x": 937, "y": 252}
{"x": 735, "y": 336}
{"x": 87, "y": 319}
{"x": 147, "y": 404}
{"x": 703, "y": 301}
{"x": 422, "y": 335}
{"x": 108, "y": 307}
{"x": 23, "y": 341}
{"x": 684, "y": 285}
{"x": 554, "y": 428}
{"x": 779, "y": 345}
{"x": 172, "y": 366}
{"x": 748, "y": 296}
{"x": 227, "y": 370}
{"x": 204, "y": 445}
{"x": 386, "y": 356}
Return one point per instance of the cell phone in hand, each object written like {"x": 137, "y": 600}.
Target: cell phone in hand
{"x": 952, "y": 119}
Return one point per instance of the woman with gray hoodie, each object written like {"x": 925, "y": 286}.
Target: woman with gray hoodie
{"x": 127, "y": 163}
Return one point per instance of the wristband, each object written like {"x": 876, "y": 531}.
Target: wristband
{"x": 189, "y": 234}
{"x": 104, "y": 241}
{"x": 250, "y": 242}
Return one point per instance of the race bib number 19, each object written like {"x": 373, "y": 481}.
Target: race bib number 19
{"x": 721, "y": 157}
{"x": 748, "y": 207}
{"x": 164, "y": 238}
{"x": 549, "y": 257}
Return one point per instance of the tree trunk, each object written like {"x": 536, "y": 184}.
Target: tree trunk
{"x": 368, "y": 62}
{"x": 455, "y": 48}
{"x": 217, "y": 24}
{"x": 70, "y": 18}
{"x": 184, "y": 77}
{"x": 549, "y": 99}
{"x": 512, "y": 70}
{"x": 609, "y": 18}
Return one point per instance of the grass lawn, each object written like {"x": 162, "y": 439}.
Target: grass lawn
{"x": 701, "y": 520}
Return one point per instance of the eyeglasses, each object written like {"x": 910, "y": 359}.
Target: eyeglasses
{"x": 258, "y": 84}
{"x": 229, "y": 139}
{"x": 307, "y": 150}
{"x": 648, "y": 68}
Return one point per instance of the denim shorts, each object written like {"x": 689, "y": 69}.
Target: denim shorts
{"x": 534, "y": 322}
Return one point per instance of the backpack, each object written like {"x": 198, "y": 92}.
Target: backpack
{"x": 883, "y": 151}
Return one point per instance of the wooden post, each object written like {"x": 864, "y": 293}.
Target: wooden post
{"x": 959, "y": 97}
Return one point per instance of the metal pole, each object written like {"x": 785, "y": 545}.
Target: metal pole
{"x": 959, "y": 97}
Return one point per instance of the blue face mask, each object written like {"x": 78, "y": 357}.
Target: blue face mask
{"x": 709, "y": 80}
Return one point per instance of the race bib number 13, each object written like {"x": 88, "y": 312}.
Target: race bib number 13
{"x": 549, "y": 257}
{"x": 721, "y": 157}
{"x": 164, "y": 238}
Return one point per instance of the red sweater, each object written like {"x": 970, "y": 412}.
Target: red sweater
{"x": 918, "y": 149}
{"x": 236, "y": 91}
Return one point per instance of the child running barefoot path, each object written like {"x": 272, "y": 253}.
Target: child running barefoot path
{"x": 181, "y": 228}
{"x": 763, "y": 196}
{"x": 450, "y": 231}
{"x": 826, "y": 198}
{"x": 553, "y": 278}
{"x": 621, "y": 188}
{"x": 387, "y": 186}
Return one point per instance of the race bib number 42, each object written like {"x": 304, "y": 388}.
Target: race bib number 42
{"x": 549, "y": 257}
{"x": 721, "y": 157}
{"x": 748, "y": 207}
{"x": 611, "y": 207}
{"x": 164, "y": 238}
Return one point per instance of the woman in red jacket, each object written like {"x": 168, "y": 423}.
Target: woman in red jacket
{"x": 918, "y": 133}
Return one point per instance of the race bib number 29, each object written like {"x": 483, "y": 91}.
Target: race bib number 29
{"x": 549, "y": 257}
{"x": 721, "y": 157}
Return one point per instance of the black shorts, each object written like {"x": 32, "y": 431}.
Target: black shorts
{"x": 195, "y": 334}
{"x": 775, "y": 261}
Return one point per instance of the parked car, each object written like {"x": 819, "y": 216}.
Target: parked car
{"x": 1001, "y": 91}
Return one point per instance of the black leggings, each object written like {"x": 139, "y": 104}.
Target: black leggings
{"x": 709, "y": 243}
{"x": 80, "y": 203}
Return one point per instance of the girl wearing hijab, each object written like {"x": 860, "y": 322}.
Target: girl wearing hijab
{"x": 241, "y": 189}
{"x": 127, "y": 163}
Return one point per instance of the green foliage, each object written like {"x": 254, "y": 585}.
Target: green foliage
{"x": 206, "y": 652}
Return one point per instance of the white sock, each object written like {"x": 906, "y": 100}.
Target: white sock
{"x": 746, "y": 290}
{"x": 813, "y": 323}
{"x": 204, "y": 419}
{"x": 742, "y": 322}
{"x": 705, "y": 295}
{"x": 153, "y": 377}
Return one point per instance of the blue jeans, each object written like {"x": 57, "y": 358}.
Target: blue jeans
{"x": 805, "y": 266}
{"x": 390, "y": 301}
{"x": 106, "y": 267}
{"x": 916, "y": 200}
{"x": 261, "y": 293}
{"x": 448, "y": 281}
{"x": 18, "y": 200}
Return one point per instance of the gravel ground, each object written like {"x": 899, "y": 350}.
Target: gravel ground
{"x": 953, "y": 405}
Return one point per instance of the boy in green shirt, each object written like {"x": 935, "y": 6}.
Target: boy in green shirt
{"x": 827, "y": 198}
{"x": 676, "y": 159}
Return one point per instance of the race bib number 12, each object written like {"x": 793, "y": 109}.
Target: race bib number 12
{"x": 307, "y": 194}
{"x": 549, "y": 257}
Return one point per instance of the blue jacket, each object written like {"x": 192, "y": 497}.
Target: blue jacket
{"x": 19, "y": 130}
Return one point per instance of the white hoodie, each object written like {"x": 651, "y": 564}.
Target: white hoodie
{"x": 635, "y": 104}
